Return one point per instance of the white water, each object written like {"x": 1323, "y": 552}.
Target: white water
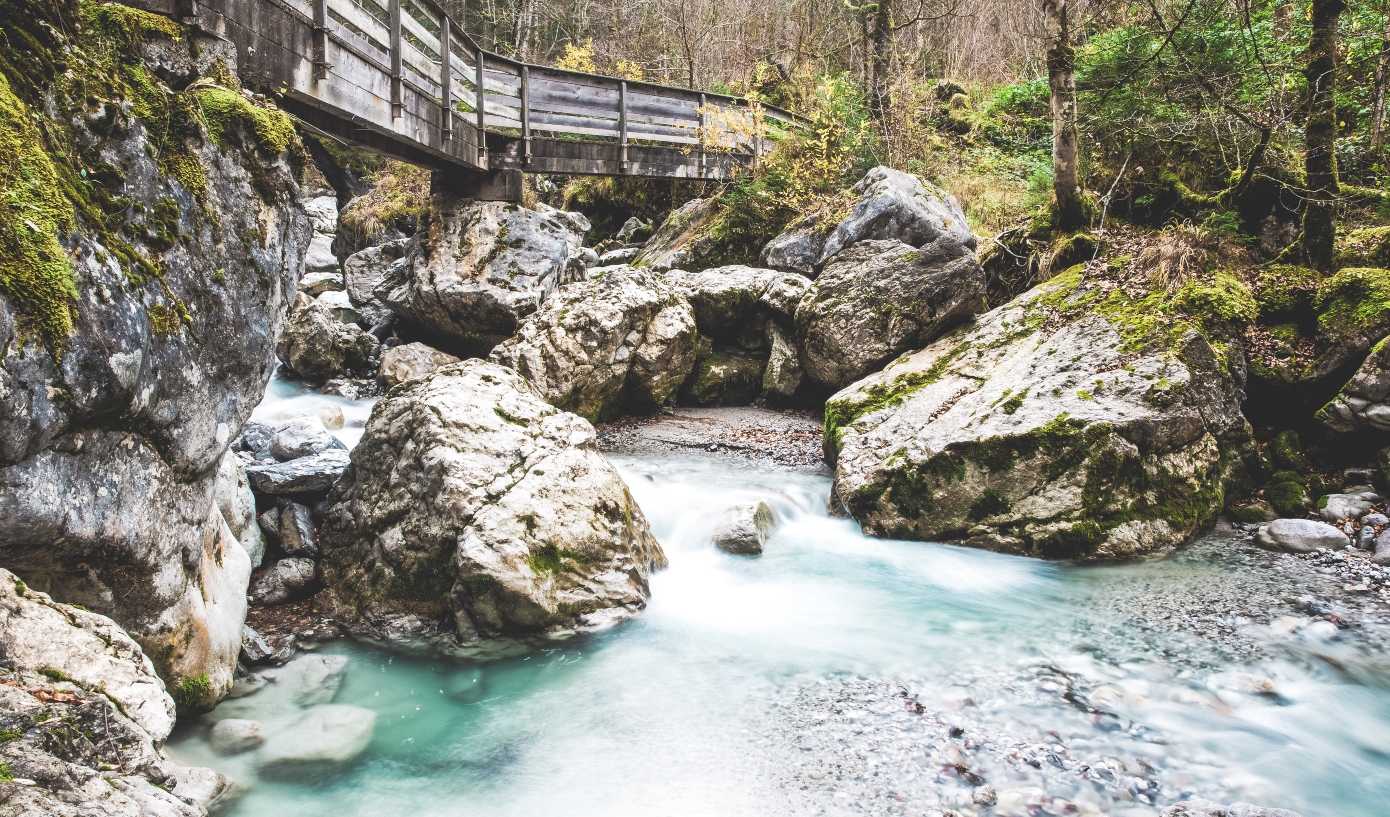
{"x": 289, "y": 398}
{"x": 721, "y": 697}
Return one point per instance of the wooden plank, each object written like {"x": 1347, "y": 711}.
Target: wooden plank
{"x": 395, "y": 57}
{"x": 446, "y": 80}
{"x": 359, "y": 17}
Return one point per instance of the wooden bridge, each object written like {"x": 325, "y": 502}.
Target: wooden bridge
{"x": 401, "y": 78}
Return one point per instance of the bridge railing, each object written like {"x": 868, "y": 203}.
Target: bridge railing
{"x": 418, "y": 44}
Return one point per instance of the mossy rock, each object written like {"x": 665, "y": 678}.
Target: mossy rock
{"x": 1285, "y": 293}
{"x": 1288, "y": 495}
{"x": 1355, "y": 298}
{"x": 722, "y": 379}
{"x": 1285, "y": 453}
{"x": 1253, "y": 513}
{"x": 1369, "y": 247}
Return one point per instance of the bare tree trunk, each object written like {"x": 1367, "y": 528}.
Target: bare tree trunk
{"x": 1382, "y": 69}
{"x": 878, "y": 50}
{"x": 1061, "y": 75}
{"x": 521, "y": 28}
{"x": 1320, "y": 136}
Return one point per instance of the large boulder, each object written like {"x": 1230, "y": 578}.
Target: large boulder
{"x": 480, "y": 270}
{"x": 683, "y": 239}
{"x": 317, "y": 345}
{"x": 1363, "y": 404}
{"x": 323, "y": 737}
{"x": 411, "y": 361}
{"x": 475, "y": 508}
{"x": 237, "y": 505}
{"x": 1301, "y": 536}
{"x": 364, "y": 272}
{"x": 74, "y": 670}
{"x": 619, "y": 344}
{"x": 898, "y": 206}
{"x": 1088, "y": 418}
{"x": 734, "y": 300}
{"x": 120, "y": 397}
{"x": 798, "y": 249}
{"x": 879, "y": 299}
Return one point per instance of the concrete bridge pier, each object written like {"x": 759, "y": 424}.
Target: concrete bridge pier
{"x": 479, "y": 185}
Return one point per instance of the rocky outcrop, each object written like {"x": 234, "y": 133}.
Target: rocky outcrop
{"x": 683, "y": 239}
{"x": 474, "y": 508}
{"x": 1068, "y": 423}
{"x": 1363, "y": 404}
{"x": 736, "y": 300}
{"x": 120, "y": 398}
{"x": 237, "y": 505}
{"x": 879, "y": 299}
{"x": 365, "y": 271}
{"x": 799, "y": 248}
{"x": 63, "y": 665}
{"x": 318, "y": 344}
{"x": 411, "y": 361}
{"x": 480, "y": 270}
{"x": 619, "y": 344}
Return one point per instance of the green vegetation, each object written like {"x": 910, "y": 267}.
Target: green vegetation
{"x": 6, "y": 773}
{"x": 1355, "y": 298}
{"x": 551, "y": 559}
{"x": 194, "y": 693}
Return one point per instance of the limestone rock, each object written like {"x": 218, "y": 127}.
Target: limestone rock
{"x": 237, "y": 504}
{"x": 411, "y": 361}
{"x": 682, "y": 240}
{"x": 879, "y": 299}
{"x": 1051, "y": 427}
{"x": 320, "y": 257}
{"x": 898, "y": 206}
{"x": 307, "y": 475}
{"x": 283, "y": 581}
{"x": 324, "y": 736}
{"x": 619, "y": 344}
{"x": 1300, "y": 536}
{"x": 783, "y": 374}
{"x": 296, "y": 530}
{"x": 301, "y": 436}
{"x": 474, "y": 508}
{"x": 729, "y": 300}
{"x": 314, "y": 284}
{"x": 1336, "y": 507}
{"x": 745, "y": 529}
{"x": 619, "y": 257}
{"x": 723, "y": 378}
{"x": 363, "y": 272}
{"x": 800, "y": 247}
{"x": 1363, "y": 404}
{"x": 234, "y": 736}
{"x": 634, "y": 230}
{"x": 314, "y": 679}
{"x": 482, "y": 268}
{"x": 1382, "y": 552}
{"x": 317, "y": 346}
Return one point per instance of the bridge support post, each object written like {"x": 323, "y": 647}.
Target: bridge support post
{"x": 485, "y": 185}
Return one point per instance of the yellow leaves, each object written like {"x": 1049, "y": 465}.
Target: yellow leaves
{"x": 627, "y": 69}
{"x": 578, "y": 58}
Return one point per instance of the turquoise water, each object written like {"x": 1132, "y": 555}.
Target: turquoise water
{"x": 719, "y": 699}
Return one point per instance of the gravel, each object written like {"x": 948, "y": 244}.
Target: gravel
{"x": 791, "y": 439}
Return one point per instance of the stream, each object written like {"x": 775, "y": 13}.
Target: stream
{"x": 838, "y": 674}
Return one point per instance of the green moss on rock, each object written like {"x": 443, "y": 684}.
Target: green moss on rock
{"x": 1354, "y": 298}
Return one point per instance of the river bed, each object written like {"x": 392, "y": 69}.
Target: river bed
{"x": 838, "y": 674}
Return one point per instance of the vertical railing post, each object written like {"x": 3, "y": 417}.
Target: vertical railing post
{"x": 703, "y": 118}
{"x": 526, "y": 112}
{"x": 446, "y": 77}
{"x": 320, "y": 40}
{"x": 397, "y": 103}
{"x": 622, "y": 126}
{"x": 478, "y": 96}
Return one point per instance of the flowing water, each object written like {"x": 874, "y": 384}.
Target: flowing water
{"x": 838, "y": 674}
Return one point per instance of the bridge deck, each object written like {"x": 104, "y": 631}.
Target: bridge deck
{"x": 400, "y": 77}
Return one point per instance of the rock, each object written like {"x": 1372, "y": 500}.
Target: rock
{"x": 682, "y": 240}
{"x": 577, "y": 223}
{"x": 1382, "y": 553}
{"x": 1363, "y": 404}
{"x": 307, "y": 475}
{"x": 314, "y": 284}
{"x": 254, "y": 439}
{"x": 782, "y": 376}
{"x": 1378, "y": 519}
{"x": 474, "y": 508}
{"x": 745, "y": 529}
{"x": 365, "y": 271}
{"x": 1336, "y": 507}
{"x": 200, "y": 786}
{"x": 480, "y": 270}
{"x": 339, "y": 305}
{"x": 1254, "y": 513}
{"x": 339, "y": 387}
{"x": 618, "y": 257}
{"x": 324, "y": 736}
{"x": 879, "y": 299}
{"x": 314, "y": 679}
{"x": 618, "y": 344}
{"x": 317, "y": 346}
{"x": 1366, "y": 538}
{"x": 323, "y": 213}
{"x": 332, "y": 417}
{"x": 633, "y": 230}
{"x": 898, "y": 206}
{"x": 237, "y": 505}
{"x": 254, "y": 649}
{"x": 1088, "y": 433}
{"x": 234, "y": 736}
{"x": 1300, "y": 536}
{"x": 729, "y": 300}
{"x": 800, "y": 247}
{"x": 301, "y": 436}
{"x": 283, "y": 581}
{"x": 121, "y": 396}
{"x": 296, "y": 530}
{"x": 1206, "y": 808}
{"x": 723, "y": 378}
{"x": 411, "y": 361}
{"x": 320, "y": 257}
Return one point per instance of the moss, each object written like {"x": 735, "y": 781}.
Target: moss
{"x": 194, "y": 693}
{"x": 1285, "y": 293}
{"x": 480, "y": 585}
{"x": 425, "y": 584}
{"x": 550, "y": 558}
{"x": 6, "y": 773}
{"x": 1287, "y": 494}
{"x": 1285, "y": 454}
{"x": 223, "y": 107}
{"x": 1252, "y": 514}
{"x": 844, "y": 412}
{"x": 1015, "y": 402}
{"x": 19, "y": 587}
{"x": 1081, "y": 539}
{"x": 1369, "y": 247}
{"x": 129, "y": 26}
{"x": 1354, "y": 298}
{"x": 990, "y": 503}
{"x": 35, "y": 274}
{"x": 53, "y": 674}
{"x": 7, "y": 735}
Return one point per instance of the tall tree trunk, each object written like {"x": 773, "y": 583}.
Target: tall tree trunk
{"x": 878, "y": 50}
{"x": 1382, "y": 70}
{"x": 1320, "y": 136}
{"x": 1061, "y": 76}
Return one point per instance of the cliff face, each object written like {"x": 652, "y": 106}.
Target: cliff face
{"x": 150, "y": 237}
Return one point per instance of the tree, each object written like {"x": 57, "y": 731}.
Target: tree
{"x": 1378, "y": 92}
{"x": 1320, "y": 136}
{"x": 1061, "y": 77}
